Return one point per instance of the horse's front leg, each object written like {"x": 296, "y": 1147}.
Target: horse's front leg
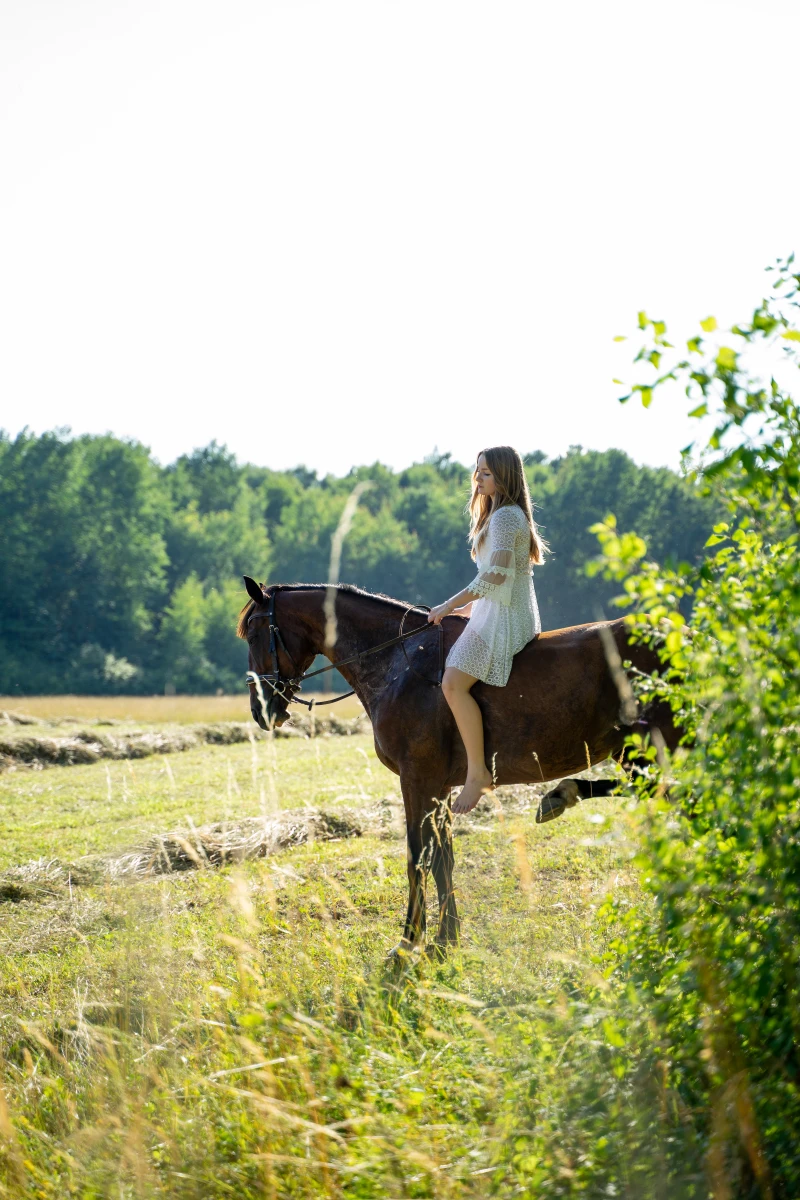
{"x": 440, "y": 821}
{"x": 416, "y": 802}
{"x": 416, "y": 868}
{"x": 429, "y": 848}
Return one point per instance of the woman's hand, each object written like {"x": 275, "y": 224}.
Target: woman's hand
{"x": 436, "y": 614}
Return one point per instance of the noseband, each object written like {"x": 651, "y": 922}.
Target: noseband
{"x": 286, "y": 686}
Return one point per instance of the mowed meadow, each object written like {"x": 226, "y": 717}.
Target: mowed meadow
{"x": 195, "y": 994}
{"x": 235, "y": 1028}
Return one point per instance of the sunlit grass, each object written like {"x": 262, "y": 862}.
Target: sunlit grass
{"x": 237, "y": 1031}
{"x": 181, "y": 710}
{"x": 67, "y": 812}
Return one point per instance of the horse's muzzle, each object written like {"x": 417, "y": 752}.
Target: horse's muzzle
{"x": 272, "y": 719}
{"x": 258, "y": 717}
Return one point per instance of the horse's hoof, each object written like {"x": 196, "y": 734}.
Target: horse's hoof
{"x": 403, "y": 952}
{"x": 437, "y": 951}
{"x": 550, "y": 808}
{"x": 566, "y": 795}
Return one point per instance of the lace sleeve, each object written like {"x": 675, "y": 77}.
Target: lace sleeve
{"x": 497, "y": 583}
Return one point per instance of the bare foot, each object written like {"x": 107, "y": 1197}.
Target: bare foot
{"x": 471, "y": 793}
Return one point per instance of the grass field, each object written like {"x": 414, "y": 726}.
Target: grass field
{"x": 238, "y": 1032}
{"x": 66, "y": 812}
{"x": 179, "y": 710}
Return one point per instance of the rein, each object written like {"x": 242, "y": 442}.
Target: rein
{"x": 277, "y": 682}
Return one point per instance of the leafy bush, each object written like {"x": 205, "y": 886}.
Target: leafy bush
{"x": 715, "y": 961}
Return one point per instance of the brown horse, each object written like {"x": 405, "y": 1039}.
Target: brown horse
{"x": 559, "y": 712}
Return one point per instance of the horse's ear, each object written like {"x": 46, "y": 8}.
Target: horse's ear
{"x": 253, "y": 590}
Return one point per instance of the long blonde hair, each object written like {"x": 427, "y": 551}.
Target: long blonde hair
{"x": 512, "y": 488}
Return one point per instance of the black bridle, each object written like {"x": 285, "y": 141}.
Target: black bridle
{"x": 286, "y": 686}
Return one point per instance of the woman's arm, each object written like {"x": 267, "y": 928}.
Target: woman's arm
{"x": 460, "y": 600}
{"x": 497, "y": 582}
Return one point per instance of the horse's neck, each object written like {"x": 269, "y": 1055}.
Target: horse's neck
{"x": 360, "y": 624}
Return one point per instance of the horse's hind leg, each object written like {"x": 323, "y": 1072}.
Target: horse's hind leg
{"x": 569, "y": 792}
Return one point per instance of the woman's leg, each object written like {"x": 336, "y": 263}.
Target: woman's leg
{"x": 456, "y": 687}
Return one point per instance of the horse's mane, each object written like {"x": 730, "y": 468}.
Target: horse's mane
{"x": 349, "y": 588}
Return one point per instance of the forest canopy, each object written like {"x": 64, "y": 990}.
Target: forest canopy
{"x": 120, "y": 575}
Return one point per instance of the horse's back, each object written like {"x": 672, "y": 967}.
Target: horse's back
{"x": 577, "y": 635}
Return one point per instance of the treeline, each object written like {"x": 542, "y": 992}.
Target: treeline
{"x": 118, "y": 574}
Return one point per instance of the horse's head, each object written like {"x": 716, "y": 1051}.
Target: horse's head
{"x": 283, "y": 657}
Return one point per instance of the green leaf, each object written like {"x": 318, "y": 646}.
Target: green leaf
{"x": 709, "y": 325}
{"x": 620, "y": 338}
{"x": 694, "y": 345}
{"x": 647, "y": 396}
{"x": 748, "y": 459}
{"x": 791, "y": 335}
{"x": 619, "y": 381}
{"x": 642, "y": 319}
{"x": 700, "y": 411}
{"x": 674, "y": 641}
{"x": 726, "y": 359}
{"x": 613, "y": 1035}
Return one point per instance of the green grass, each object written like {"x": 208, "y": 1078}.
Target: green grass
{"x": 134, "y": 1018}
{"x": 66, "y": 812}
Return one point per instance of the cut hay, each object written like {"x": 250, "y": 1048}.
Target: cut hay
{"x": 231, "y": 842}
{"x": 224, "y": 843}
{"x": 218, "y": 845}
{"x": 91, "y": 745}
{"x": 15, "y": 718}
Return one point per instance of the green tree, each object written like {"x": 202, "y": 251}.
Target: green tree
{"x": 97, "y": 540}
{"x": 218, "y": 545}
{"x": 82, "y": 558}
{"x": 210, "y": 478}
{"x": 668, "y": 511}
{"x": 183, "y": 636}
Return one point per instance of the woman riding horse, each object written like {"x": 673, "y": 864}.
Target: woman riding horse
{"x": 500, "y": 602}
{"x": 562, "y": 709}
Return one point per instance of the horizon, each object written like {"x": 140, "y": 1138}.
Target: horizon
{"x": 66, "y": 434}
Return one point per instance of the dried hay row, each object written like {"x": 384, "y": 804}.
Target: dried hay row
{"x": 228, "y": 842}
{"x": 17, "y": 718}
{"x": 216, "y": 845}
{"x": 89, "y": 746}
{"x": 232, "y": 842}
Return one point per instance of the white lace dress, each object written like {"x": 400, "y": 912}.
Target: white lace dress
{"x": 506, "y": 616}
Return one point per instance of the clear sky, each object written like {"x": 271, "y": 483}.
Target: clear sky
{"x": 330, "y": 231}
